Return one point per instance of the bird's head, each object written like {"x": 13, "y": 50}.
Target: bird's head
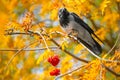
{"x": 63, "y": 13}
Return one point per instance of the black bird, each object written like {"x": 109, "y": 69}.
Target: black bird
{"x": 74, "y": 25}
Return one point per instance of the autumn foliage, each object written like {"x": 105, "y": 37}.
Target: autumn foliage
{"x": 33, "y": 46}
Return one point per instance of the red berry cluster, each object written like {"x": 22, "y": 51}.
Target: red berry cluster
{"x": 55, "y": 72}
{"x": 54, "y": 60}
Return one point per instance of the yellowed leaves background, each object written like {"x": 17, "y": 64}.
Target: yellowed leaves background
{"x": 41, "y": 16}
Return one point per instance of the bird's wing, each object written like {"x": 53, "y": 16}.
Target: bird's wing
{"x": 83, "y": 36}
{"x": 84, "y": 25}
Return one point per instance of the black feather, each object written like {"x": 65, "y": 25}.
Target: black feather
{"x": 63, "y": 15}
{"x": 64, "y": 22}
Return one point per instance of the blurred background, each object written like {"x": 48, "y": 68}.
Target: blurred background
{"x": 19, "y": 16}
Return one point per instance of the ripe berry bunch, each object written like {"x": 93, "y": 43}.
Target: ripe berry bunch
{"x": 55, "y": 72}
{"x": 54, "y": 60}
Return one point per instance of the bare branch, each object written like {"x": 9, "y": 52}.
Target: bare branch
{"x": 11, "y": 59}
{"x": 44, "y": 41}
{"x": 17, "y": 33}
{"x": 62, "y": 49}
{"x": 36, "y": 23}
{"x": 83, "y": 60}
{"x": 33, "y": 49}
{"x": 113, "y": 46}
{"x": 100, "y": 76}
{"x": 118, "y": 6}
{"x": 67, "y": 73}
{"x": 114, "y": 73}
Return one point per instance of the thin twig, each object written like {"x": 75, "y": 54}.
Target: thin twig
{"x": 57, "y": 32}
{"x": 100, "y": 76}
{"x": 44, "y": 41}
{"x": 69, "y": 72}
{"x": 17, "y": 33}
{"x": 74, "y": 56}
{"x": 62, "y": 49}
{"x": 110, "y": 70}
{"x": 11, "y": 59}
{"x": 36, "y": 23}
{"x": 118, "y": 6}
{"x": 33, "y": 49}
{"x": 39, "y": 34}
{"x": 113, "y": 46}
{"x": 109, "y": 61}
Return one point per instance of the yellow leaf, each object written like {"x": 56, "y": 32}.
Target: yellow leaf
{"x": 44, "y": 56}
{"x": 104, "y": 5}
{"x": 78, "y": 48}
{"x": 64, "y": 45}
{"x": 67, "y": 61}
{"x": 53, "y": 15}
{"x": 82, "y": 0}
{"x": 13, "y": 25}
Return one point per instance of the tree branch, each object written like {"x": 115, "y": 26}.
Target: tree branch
{"x": 62, "y": 49}
{"x": 113, "y": 46}
{"x": 86, "y": 61}
{"x": 35, "y": 33}
{"x": 17, "y": 33}
{"x": 33, "y": 49}
{"x": 11, "y": 59}
{"x": 114, "y": 73}
{"x": 36, "y": 23}
{"x": 118, "y": 6}
{"x": 69, "y": 72}
{"x": 83, "y": 60}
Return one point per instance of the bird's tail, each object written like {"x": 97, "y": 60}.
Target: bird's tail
{"x": 95, "y": 48}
